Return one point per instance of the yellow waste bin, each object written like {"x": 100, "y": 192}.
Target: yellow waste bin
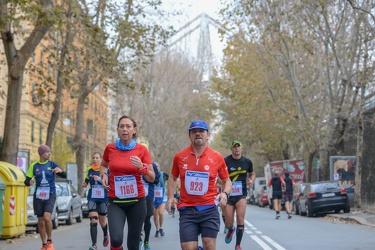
{"x": 15, "y": 195}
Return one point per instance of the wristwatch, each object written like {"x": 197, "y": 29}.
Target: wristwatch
{"x": 226, "y": 194}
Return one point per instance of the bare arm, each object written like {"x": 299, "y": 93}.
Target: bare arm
{"x": 250, "y": 180}
{"x": 150, "y": 176}
{"x": 172, "y": 185}
{"x": 104, "y": 173}
{"x": 226, "y": 188}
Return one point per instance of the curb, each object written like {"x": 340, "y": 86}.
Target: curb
{"x": 358, "y": 219}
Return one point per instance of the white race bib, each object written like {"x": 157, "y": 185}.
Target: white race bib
{"x": 42, "y": 193}
{"x": 126, "y": 186}
{"x": 97, "y": 191}
{"x": 158, "y": 192}
{"x": 236, "y": 188}
{"x": 196, "y": 183}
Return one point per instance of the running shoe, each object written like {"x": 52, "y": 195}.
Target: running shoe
{"x": 289, "y": 216}
{"x": 225, "y": 230}
{"x": 161, "y": 232}
{"x": 200, "y": 248}
{"x": 238, "y": 247}
{"x": 105, "y": 241}
{"x": 94, "y": 247}
{"x": 140, "y": 244}
{"x": 147, "y": 246}
{"x": 44, "y": 247}
{"x": 229, "y": 236}
{"x": 277, "y": 216}
{"x": 157, "y": 233}
{"x": 50, "y": 245}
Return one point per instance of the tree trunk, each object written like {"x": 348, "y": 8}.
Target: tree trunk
{"x": 12, "y": 120}
{"x": 78, "y": 144}
{"x": 358, "y": 176}
{"x": 309, "y": 166}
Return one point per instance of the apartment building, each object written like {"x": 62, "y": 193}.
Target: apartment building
{"x": 36, "y": 110}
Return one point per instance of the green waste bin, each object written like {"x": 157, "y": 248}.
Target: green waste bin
{"x": 2, "y": 189}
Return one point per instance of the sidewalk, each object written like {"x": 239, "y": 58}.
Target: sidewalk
{"x": 363, "y": 216}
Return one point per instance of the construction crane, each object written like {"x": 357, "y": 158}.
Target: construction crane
{"x": 204, "y": 57}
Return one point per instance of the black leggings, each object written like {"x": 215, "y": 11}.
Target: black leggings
{"x": 118, "y": 214}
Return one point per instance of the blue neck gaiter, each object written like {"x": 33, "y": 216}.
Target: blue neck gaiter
{"x": 120, "y": 146}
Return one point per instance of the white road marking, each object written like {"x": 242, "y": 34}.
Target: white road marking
{"x": 258, "y": 240}
{"x": 261, "y": 243}
{"x": 273, "y": 243}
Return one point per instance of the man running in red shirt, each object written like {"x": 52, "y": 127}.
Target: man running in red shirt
{"x": 198, "y": 167}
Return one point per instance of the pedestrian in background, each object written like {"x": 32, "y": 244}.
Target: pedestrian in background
{"x": 241, "y": 174}
{"x": 42, "y": 174}
{"x": 160, "y": 201}
{"x": 277, "y": 183}
{"x": 198, "y": 166}
{"x": 149, "y": 189}
{"x": 97, "y": 201}
{"x": 288, "y": 194}
{"x": 128, "y": 162}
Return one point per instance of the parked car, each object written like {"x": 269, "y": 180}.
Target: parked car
{"x": 254, "y": 190}
{"x": 85, "y": 208}
{"x": 262, "y": 198}
{"x": 69, "y": 202}
{"x": 323, "y": 196}
{"x": 298, "y": 190}
{"x": 32, "y": 219}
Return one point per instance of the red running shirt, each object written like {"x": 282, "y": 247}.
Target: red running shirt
{"x": 210, "y": 164}
{"x": 119, "y": 165}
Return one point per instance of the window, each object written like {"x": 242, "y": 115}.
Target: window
{"x": 41, "y": 59}
{"x": 40, "y": 134}
{"x": 90, "y": 127}
{"x": 33, "y": 97}
{"x": 48, "y": 98}
{"x": 32, "y": 131}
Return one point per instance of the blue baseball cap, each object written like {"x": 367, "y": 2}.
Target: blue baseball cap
{"x": 198, "y": 124}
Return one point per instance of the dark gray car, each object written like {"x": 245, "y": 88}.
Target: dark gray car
{"x": 324, "y": 196}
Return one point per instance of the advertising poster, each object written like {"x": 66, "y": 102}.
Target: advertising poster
{"x": 296, "y": 169}
{"x": 23, "y": 160}
{"x": 342, "y": 169}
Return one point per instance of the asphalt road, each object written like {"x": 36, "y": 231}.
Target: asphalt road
{"x": 262, "y": 231}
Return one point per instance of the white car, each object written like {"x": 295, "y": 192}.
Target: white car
{"x": 32, "y": 219}
{"x": 68, "y": 202}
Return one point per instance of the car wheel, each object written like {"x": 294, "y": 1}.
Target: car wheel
{"x": 70, "y": 218}
{"x": 295, "y": 209}
{"x": 300, "y": 211}
{"x": 308, "y": 211}
{"x": 55, "y": 221}
{"x": 79, "y": 218}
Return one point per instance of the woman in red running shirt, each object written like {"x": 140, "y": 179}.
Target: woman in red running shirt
{"x": 128, "y": 161}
